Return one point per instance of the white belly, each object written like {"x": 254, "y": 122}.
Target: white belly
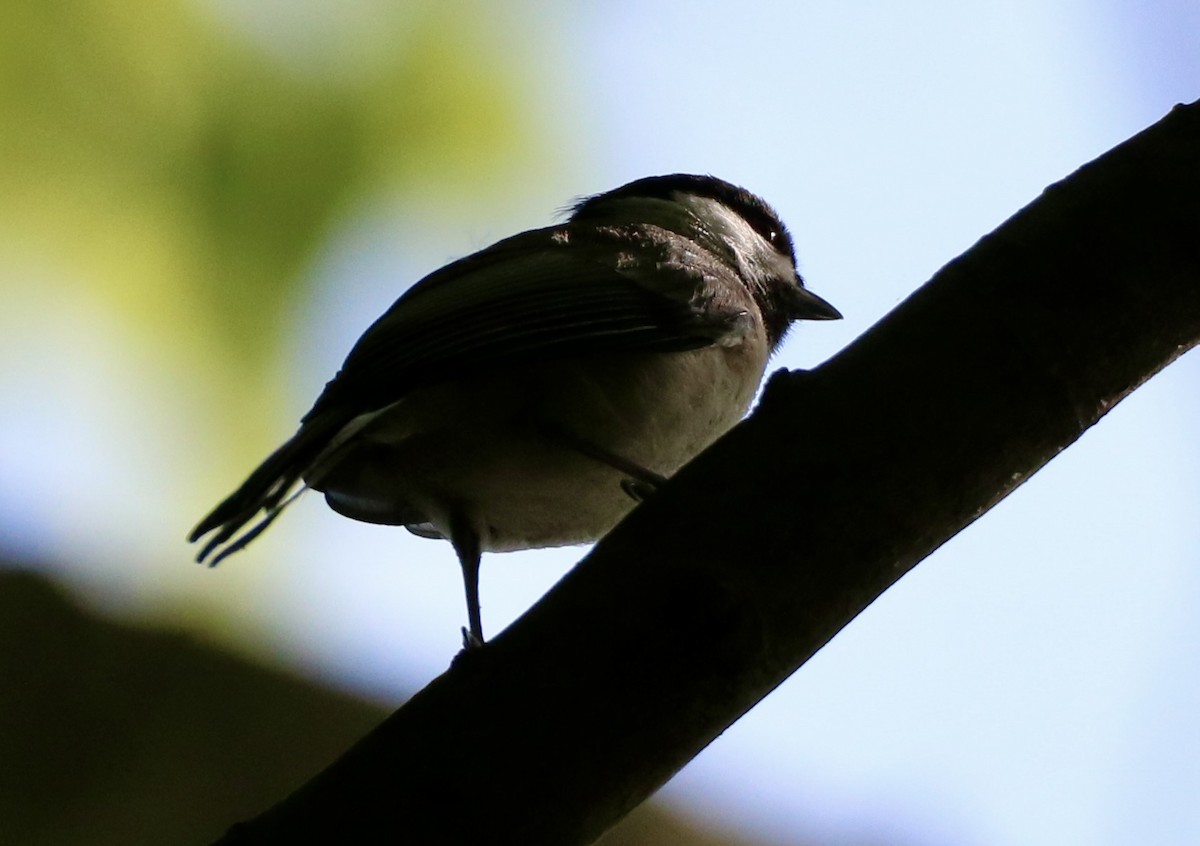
{"x": 487, "y": 448}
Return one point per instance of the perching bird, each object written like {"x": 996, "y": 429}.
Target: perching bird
{"x": 529, "y": 394}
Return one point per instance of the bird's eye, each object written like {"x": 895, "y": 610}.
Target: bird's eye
{"x": 769, "y": 228}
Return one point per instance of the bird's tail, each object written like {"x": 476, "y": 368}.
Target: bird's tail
{"x": 267, "y": 491}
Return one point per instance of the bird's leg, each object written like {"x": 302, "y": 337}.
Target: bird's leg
{"x": 466, "y": 546}
{"x": 642, "y": 481}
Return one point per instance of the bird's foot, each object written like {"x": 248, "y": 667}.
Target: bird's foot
{"x": 470, "y": 640}
{"x": 639, "y": 490}
{"x": 471, "y": 652}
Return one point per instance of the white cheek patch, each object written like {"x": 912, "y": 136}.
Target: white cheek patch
{"x": 755, "y": 257}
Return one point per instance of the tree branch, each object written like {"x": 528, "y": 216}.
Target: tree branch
{"x": 719, "y": 587}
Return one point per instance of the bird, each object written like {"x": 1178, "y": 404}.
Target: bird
{"x": 531, "y": 394}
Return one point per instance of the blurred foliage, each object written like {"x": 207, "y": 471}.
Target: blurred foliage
{"x": 170, "y": 173}
{"x": 114, "y": 734}
{"x": 185, "y": 172}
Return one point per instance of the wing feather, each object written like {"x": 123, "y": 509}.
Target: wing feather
{"x": 540, "y": 295}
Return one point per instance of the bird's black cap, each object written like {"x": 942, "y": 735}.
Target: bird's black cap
{"x": 753, "y": 208}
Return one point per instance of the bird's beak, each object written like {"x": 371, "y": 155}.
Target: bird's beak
{"x": 808, "y": 306}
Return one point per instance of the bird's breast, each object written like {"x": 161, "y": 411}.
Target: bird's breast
{"x": 499, "y": 446}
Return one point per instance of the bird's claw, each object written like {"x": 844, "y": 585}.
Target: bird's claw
{"x": 639, "y": 490}
{"x": 471, "y": 641}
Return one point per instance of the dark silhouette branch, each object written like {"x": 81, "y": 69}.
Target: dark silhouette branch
{"x": 722, "y": 584}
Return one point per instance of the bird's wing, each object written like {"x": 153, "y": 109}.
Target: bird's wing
{"x": 547, "y": 294}
{"x": 551, "y": 293}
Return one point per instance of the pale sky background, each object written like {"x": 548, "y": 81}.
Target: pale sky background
{"x": 1035, "y": 682}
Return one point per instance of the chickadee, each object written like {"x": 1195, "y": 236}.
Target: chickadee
{"x": 529, "y": 394}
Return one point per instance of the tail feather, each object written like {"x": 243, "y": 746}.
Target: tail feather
{"x": 268, "y": 490}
